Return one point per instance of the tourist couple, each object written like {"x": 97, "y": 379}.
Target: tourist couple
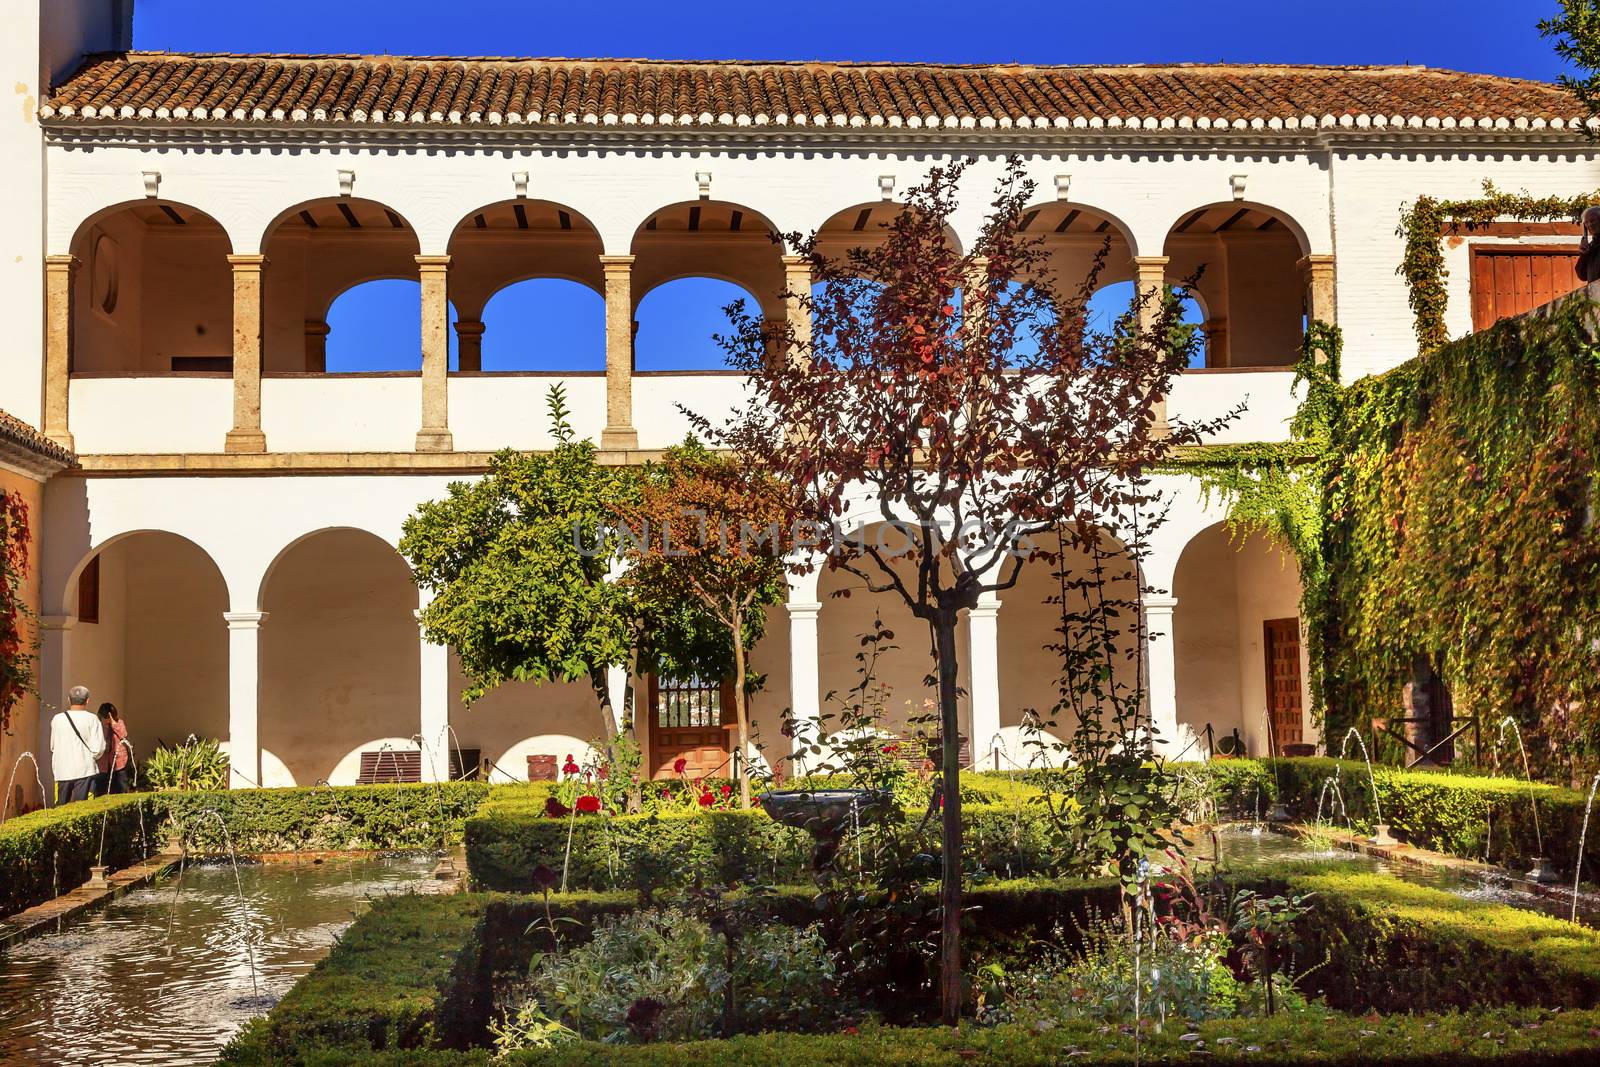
{"x": 88, "y": 752}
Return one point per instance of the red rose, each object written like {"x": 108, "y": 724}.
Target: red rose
{"x": 679, "y": 764}
{"x": 726, "y": 789}
{"x": 665, "y": 793}
{"x": 706, "y": 800}
{"x": 569, "y": 767}
{"x": 589, "y": 805}
{"x": 555, "y": 809}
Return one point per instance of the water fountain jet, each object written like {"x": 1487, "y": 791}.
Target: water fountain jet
{"x": 1380, "y": 829}
{"x": 1541, "y": 871}
{"x": 44, "y": 798}
{"x": 1577, "y": 862}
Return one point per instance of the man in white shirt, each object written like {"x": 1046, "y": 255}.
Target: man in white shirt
{"x": 77, "y": 741}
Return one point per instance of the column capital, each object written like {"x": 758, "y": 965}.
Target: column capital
{"x": 61, "y": 261}
{"x": 244, "y": 620}
{"x": 432, "y": 262}
{"x": 469, "y": 328}
{"x": 1158, "y": 605}
{"x": 317, "y": 329}
{"x": 1151, "y": 261}
{"x": 984, "y": 610}
{"x": 1316, "y": 261}
{"x": 803, "y": 609}
{"x": 56, "y": 622}
{"x": 792, "y": 262}
{"x": 616, "y": 264}
{"x": 247, "y": 262}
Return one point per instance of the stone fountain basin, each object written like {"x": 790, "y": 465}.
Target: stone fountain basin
{"x": 825, "y": 812}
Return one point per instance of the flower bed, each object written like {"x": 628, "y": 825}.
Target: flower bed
{"x": 417, "y": 973}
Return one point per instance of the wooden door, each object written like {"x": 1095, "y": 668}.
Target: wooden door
{"x": 1511, "y": 279}
{"x": 1282, "y": 644}
{"x": 688, "y": 721}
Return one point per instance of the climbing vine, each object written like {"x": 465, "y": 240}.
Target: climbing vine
{"x": 16, "y": 650}
{"x": 1457, "y": 512}
{"x": 1424, "y": 224}
{"x": 1277, "y": 489}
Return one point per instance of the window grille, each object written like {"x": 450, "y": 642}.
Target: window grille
{"x": 688, "y": 703}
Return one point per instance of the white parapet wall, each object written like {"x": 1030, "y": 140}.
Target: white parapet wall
{"x": 137, "y": 415}
{"x": 493, "y": 411}
{"x": 355, "y": 413}
{"x": 1266, "y": 396}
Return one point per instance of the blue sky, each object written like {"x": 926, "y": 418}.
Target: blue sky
{"x": 1491, "y": 36}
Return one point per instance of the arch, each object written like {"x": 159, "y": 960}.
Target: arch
{"x": 1028, "y": 621}
{"x": 340, "y": 651}
{"x": 375, "y": 324}
{"x": 154, "y": 292}
{"x": 1247, "y": 256}
{"x": 861, "y": 225}
{"x": 1114, "y": 299}
{"x": 510, "y": 241}
{"x": 315, "y": 251}
{"x": 302, "y": 538}
{"x": 151, "y": 638}
{"x": 562, "y": 316}
{"x": 711, "y": 239}
{"x": 676, "y": 321}
{"x": 1227, "y": 588}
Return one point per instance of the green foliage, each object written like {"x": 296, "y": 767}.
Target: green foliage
{"x": 664, "y": 975}
{"x": 1577, "y": 35}
{"x": 1382, "y": 944}
{"x": 401, "y": 977}
{"x": 1424, "y": 223}
{"x": 197, "y": 764}
{"x": 1459, "y": 502}
{"x": 335, "y": 818}
{"x": 50, "y": 851}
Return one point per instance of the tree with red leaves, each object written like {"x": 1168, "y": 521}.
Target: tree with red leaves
{"x": 963, "y": 398}
{"x": 16, "y": 650}
{"x": 709, "y": 530}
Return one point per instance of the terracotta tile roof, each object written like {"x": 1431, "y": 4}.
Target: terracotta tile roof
{"x": 26, "y": 447}
{"x": 161, "y": 87}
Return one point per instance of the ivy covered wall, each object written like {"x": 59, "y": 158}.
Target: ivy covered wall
{"x": 1458, "y": 507}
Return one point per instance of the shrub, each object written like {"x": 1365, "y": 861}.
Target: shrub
{"x": 197, "y": 764}
{"x": 50, "y": 851}
{"x": 336, "y": 818}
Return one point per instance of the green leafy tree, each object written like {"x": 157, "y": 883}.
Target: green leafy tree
{"x": 1576, "y": 31}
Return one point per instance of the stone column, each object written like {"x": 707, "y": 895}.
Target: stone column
{"x": 244, "y": 687}
{"x": 58, "y": 277}
{"x": 435, "y": 433}
{"x": 797, "y": 282}
{"x": 469, "y": 345}
{"x": 246, "y": 435}
{"x": 619, "y": 431}
{"x": 316, "y": 346}
{"x": 983, "y": 672}
{"x": 434, "y": 721}
{"x": 1163, "y": 672}
{"x": 1318, "y": 270}
{"x": 53, "y": 686}
{"x": 1150, "y": 278}
{"x": 805, "y": 700}
{"x": 1216, "y": 331}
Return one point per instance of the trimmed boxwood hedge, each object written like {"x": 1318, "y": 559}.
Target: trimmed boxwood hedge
{"x": 50, "y": 851}
{"x": 414, "y": 972}
{"x": 337, "y": 818}
{"x": 1432, "y": 809}
{"x": 507, "y": 839}
{"x": 1494, "y": 1038}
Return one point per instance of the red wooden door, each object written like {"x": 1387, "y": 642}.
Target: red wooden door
{"x": 1283, "y": 681}
{"x": 688, "y": 718}
{"x": 1511, "y": 279}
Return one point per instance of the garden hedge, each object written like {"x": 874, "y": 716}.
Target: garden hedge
{"x": 48, "y": 852}
{"x": 414, "y": 973}
{"x": 1372, "y": 942}
{"x": 337, "y": 818}
{"x": 507, "y": 839}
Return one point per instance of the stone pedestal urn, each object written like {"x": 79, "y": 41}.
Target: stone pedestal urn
{"x": 826, "y": 814}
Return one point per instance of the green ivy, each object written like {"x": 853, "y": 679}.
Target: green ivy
{"x": 1423, "y": 225}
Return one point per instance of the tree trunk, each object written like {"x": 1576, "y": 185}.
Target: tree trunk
{"x": 741, "y": 707}
{"x": 608, "y": 718}
{"x": 944, "y": 629}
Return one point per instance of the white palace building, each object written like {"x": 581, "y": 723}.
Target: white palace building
{"x": 221, "y": 559}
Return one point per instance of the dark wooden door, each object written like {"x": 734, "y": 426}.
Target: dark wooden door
{"x": 688, "y": 721}
{"x": 1511, "y": 279}
{"x": 1283, "y": 681}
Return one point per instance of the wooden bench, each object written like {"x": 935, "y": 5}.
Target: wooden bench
{"x": 390, "y": 765}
